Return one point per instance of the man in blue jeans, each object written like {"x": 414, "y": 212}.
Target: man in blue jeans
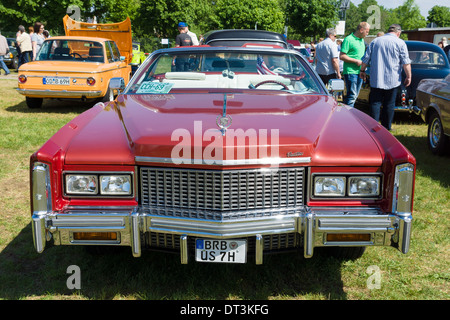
{"x": 4, "y": 49}
{"x": 352, "y": 51}
{"x": 387, "y": 57}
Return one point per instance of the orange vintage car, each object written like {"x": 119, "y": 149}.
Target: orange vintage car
{"x": 80, "y": 64}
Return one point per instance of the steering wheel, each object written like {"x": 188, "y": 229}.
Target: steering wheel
{"x": 271, "y": 81}
{"x": 73, "y": 54}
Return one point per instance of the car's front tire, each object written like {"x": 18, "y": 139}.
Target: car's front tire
{"x": 437, "y": 140}
{"x": 34, "y": 103}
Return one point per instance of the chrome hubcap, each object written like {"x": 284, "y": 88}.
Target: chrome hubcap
{"x": 435, "y": 133}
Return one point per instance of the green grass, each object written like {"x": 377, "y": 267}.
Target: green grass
{"x": 422, "y": 274}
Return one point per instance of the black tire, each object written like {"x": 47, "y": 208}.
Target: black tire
{"x": 34, "y": 103}
{"x": 347, "y": 253}
{"x": 437, "y": 140}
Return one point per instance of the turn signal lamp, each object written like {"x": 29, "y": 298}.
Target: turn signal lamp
{"x": 348, "y": 237}
{"x": 95, "y": 236}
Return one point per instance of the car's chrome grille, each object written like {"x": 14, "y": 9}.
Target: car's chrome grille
{"x": 179, "y": 192}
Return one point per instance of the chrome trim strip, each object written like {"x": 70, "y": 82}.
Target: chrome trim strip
{"x": 213, "y": 229}
{"x": 264, "y": 161}
{"x": 434, "y": 95}
{"x": 64, "y": 72}
{"x": 61, "y": 93}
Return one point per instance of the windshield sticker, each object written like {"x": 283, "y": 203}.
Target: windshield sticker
{"x": 155, "y": 87}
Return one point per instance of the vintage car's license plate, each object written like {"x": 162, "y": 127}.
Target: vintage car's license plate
{"x": 227, "y": 251}
{"x": 65, "y": 81}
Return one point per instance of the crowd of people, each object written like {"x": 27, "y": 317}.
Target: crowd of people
{"x": 27, "y": 44}
{"x": 387, "y": 56}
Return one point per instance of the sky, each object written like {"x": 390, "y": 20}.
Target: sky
{"x": 424, "y": 5}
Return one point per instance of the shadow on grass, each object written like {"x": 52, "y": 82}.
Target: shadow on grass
{"x": 155, "y": 275}
{"x": 53, "y": 106}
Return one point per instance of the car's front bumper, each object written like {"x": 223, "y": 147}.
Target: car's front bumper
{"x": 311, "y": 225}
{"x": 60, "y": 93}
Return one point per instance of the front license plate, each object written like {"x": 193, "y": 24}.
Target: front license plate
{"x": 227, "y": 251}
{"x": 58, "y": 81}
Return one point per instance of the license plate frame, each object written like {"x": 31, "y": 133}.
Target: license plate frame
{"x": 221, "y": 250}
{"x": 59, "y": 81}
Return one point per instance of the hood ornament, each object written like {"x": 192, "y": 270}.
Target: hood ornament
{"x": 224, "y": 121}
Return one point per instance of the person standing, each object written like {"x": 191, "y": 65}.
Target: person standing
{"x": 327, "y": 58}
{"x": 37, "y": 38}
{"x": 352, "y": 51}
{"x": 4, "y": 49}
{"x": 387, "y": 56}
{"x": 181, "y": 62}
{"x": 24, "y": 41}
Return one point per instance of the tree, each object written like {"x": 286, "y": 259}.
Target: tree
{"x": 246, "y": 14}
{"x": 440, "y": 15}
{"x": 312, "y": 17}
{"x": 408, "y": 16}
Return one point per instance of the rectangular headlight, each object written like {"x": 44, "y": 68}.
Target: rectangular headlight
{"x": 364, "y": 186}
{"x": 81, "y": 184}
{"x": 115, "y": 185}
{"x": 333, "y": 186}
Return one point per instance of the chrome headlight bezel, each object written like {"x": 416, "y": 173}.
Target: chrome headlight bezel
{"x": 100, "y": 180}
{"x": 347, "y": 181}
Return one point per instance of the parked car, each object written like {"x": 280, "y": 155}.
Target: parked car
{"x": 11, "y": 59}
{"x": 79, "y": 65}
{"x": 138, "y": 57}
{"x": 243, "y": 153}
{"x": 428, "y": 61}
{"x": 233, "y": 37}
{"x": 433, "y": 102}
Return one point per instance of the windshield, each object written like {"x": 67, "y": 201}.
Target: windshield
{"x": 71, "y": 50}
{"x": 245, "y": 69}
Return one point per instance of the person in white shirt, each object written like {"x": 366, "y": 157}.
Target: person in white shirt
{"x": 26, "y": 49}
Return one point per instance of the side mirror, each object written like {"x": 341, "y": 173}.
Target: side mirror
{"x": 117, "y": 84}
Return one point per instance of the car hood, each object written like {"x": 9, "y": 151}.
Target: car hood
{"x": 166, "y": 128}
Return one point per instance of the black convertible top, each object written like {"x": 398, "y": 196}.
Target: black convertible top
{"x": 240, "y": 37}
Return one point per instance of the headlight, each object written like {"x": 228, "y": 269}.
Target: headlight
{"x": 364, "y": 186}
{"x": 115, "y": 185}
{"x": 99, "y": 184}
{"x": 347, "y": 185}
{"x": 329, "y": 186}
{"x": 81, "y": 184}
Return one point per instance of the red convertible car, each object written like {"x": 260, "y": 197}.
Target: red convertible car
{"x": 223, "y": 154}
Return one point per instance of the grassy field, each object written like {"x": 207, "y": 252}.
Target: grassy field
{"x": 422, "y": 274}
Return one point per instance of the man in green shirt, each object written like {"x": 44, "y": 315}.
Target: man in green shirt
{"x": 352, "y": 51}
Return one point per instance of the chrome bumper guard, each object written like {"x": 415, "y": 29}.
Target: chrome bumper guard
{"x": 313, "y": 224}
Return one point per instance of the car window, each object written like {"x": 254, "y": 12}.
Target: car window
{"x": 426, "y": 58}
{"x": 266, "y": 70}
{"x": 115, "y": 51}
{"x": 71, "y": 50}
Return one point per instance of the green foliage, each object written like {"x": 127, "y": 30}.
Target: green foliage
{"x": 408, "y": 16}
{"x": 312, "y": 17}
{"x": 248, "y": 14}
{"x": 440, "y": 15}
